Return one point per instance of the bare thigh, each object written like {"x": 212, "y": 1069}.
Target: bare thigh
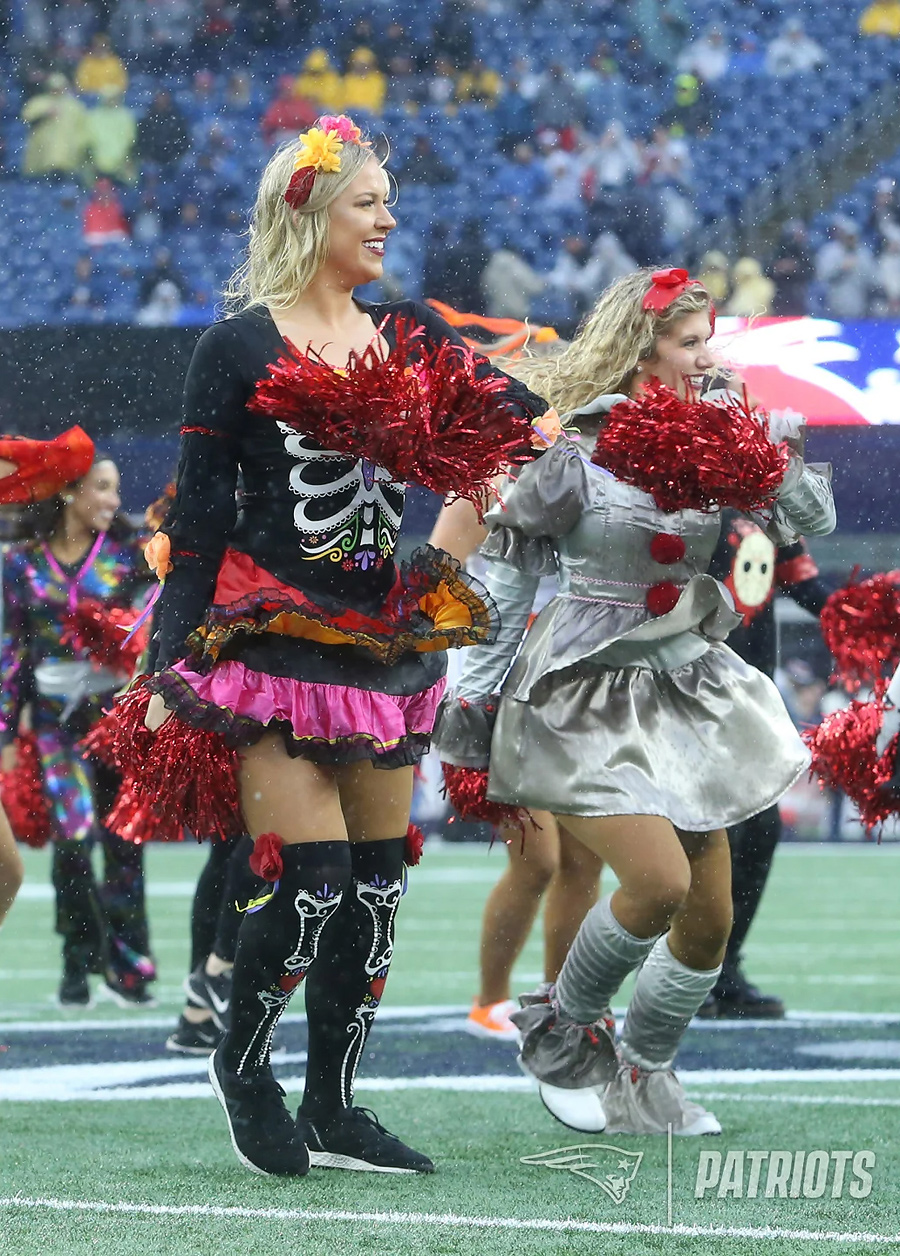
{"x": 700, "y": 928}
{"x": 649, "y": 861}
{"x": 294, "y": 798}
{"x": 375, "y": 801}
{"x": 534, "y": 857}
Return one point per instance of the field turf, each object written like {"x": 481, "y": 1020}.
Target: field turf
{"x": 111, "y": 1145}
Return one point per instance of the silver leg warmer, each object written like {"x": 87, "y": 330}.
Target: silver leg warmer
{"x": 601, "y": 957}
{"x": 666, "y": 996}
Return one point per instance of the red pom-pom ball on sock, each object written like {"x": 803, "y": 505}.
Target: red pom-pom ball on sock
{"x": 266, "y": 859}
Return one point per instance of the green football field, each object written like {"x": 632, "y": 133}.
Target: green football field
{"x": 109, "y": 1144}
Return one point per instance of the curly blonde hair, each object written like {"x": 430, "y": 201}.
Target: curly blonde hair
{"x": 613, "y": 340}
{"x": 288, "y": 246}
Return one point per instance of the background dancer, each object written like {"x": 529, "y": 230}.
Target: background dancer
{"x": 31, "y": 470}
{"x": 754, "y": 569}
{"x": 551, "y": 866}
{"x": 315, "y": 655}
{"x": 85, "y": 560}
{"x": 624, "y": 713}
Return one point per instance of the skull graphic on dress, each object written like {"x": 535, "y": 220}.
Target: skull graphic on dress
{"x": 347, "y": 512}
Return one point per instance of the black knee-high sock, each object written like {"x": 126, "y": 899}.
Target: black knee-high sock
{"x": 276, "y": 946}
{"x": 344, "y": 987}
{"x": 208, "y": 899}
{"x": 241, "y": 885}
{"x": 79, "y": 913}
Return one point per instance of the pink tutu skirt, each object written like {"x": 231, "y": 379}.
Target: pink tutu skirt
{"x": 329, "y": 724}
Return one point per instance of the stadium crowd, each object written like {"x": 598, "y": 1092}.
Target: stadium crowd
{"x": 539, "y": 167}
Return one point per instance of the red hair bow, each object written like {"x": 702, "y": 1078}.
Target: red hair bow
{"x": 667, "y": 285}
{"x": 42, "y": 468}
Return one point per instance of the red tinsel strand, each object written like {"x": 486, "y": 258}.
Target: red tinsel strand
{"x": 415, "y": 844}
{"x": 22, "y": 795}
{"x": 420, "y": 413}
{"x": 861, "y": 627}
{"x": 187, "y": 776}
{"x": 135, "y": 821}
{"x": 466, "y": 788}
{"x": 100, "y": 743}
{"x": 100, "y": 631}
{"x": 844, "y": 758}
{"x": 691, "y": 454}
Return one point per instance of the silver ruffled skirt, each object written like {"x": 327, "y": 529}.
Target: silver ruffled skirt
{"x": 705, "y": 745}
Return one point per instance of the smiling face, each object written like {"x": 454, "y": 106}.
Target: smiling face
{"x": 681, "y": 357}
{"x": 96, "y": 499}
{"x": 359, "y": 222}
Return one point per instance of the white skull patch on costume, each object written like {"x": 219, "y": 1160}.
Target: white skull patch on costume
{"x": 752, "y": 576}
{"x": 348, "y": 512}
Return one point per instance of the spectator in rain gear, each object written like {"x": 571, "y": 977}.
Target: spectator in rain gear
{"x": 112, "y": 133}
{"x": 752, "y": 293}
{"x": 288, "y": 114}
{"x": 163, "y": 136}
{"x": 57, "y": 130}
{"x": 364, "y": 87}
{"x": 881, "y": 18}
{"x": 320, "y": 82}
{"x": 100, "y": 68}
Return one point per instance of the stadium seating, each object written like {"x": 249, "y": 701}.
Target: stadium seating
{"x": 758, "y": 126}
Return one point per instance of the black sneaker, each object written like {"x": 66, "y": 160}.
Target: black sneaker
{"x": 356, "y": 1139}
{"x": 74, "y": 990}
{"x": 749, "y": 1004}
{"x": 264, "y": 1137}
{"x": 126, "y": 989}
{"x": 212, "y": 993}
{"x": 193, "y": 1039}
{"x": 737, "y": 999}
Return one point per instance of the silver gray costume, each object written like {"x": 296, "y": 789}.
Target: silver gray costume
{"x": 609, "y": 709}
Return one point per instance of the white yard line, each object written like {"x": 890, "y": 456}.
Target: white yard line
{"x": 446, "y": 1220}
{"x": 57, "y": 1023}
{"x": 141, "y": 1080}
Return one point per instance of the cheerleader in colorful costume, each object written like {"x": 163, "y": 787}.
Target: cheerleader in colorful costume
{"x": 625, "y": 714}
{"x": 82, "y": 567}
{"x": 31, "y": 470}
{"x": 300, "y": 666}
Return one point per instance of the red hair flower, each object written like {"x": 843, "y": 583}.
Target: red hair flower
{"x": 667, "y": 286}
{"x": 266, "y": 859}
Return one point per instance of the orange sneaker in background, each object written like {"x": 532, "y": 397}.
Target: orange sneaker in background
{"x": 492, "y": 1021}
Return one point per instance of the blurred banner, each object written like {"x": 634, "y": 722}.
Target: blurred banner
{"x": 831, "y": 372}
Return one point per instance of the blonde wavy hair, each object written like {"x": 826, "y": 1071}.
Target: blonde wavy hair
{"x": 613, "y": 340}
{"x": 288, "y": 246}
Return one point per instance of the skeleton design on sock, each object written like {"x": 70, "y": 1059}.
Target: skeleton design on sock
{"x": 314, "y": 912}
{"x": 381, "y": 898}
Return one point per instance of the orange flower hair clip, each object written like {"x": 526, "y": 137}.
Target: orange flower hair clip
{"x": 320, "y": 151}
{"x": 157, "y": 553}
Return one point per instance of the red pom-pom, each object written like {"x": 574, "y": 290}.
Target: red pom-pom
{"x": 415, "y": 844}
{"x": 662, "y": 597}
{"x": 667, "y": 548}
{"x": 100, "y": 742}
{"x": 187, "y": 777}
{"x": 466, "y": 789}
{"x": 100, "y": 632}
{"x": 845, "y": 759}
{"x": 134, "y": 820}
{"x": 22, "y": 795}
{"x": 421, "y": 413}
{"x": 266, "y": 859}
{"x": 691, "y": 454}
{"x": 861, "y": 627}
